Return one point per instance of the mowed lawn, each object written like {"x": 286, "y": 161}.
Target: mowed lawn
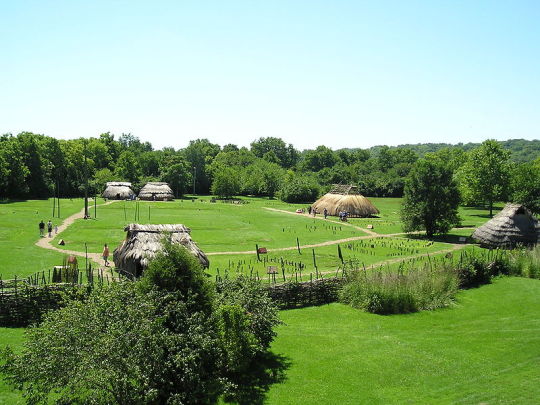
{"x": 19, "y": 232}
{"x": 216, "y": 227}
{"x": 485, "y": 349}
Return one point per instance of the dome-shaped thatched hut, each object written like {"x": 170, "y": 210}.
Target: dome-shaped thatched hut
{"x": 143, "y": 242}
{"x": 118, "y": 190}
{"x": 514, "y": 225}
{"x": 345, "y": 198}
{"x": 156, "y": 191}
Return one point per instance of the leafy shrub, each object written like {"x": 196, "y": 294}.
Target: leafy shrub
{"x": 253, "y": 298}
{"x": 164, "y": 339}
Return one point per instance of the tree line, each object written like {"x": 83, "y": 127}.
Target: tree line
{"x": 39, "y": 166}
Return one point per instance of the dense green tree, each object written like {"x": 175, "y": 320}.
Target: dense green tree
{"x": 485, "y": 177}
{"x": 127, "y": 167}
{"x": 318, "y": 159}
{"x": 262, "y": 178}
{"x": 431, "y": 199}
{"x": 175, "y": 170}
{"x": 149, "y": 163}
{"x": 200, "y": 153}
{"x": 299, "y": 188}
{"x": 287, "y": 155}
{"x": 12, "y": 153}
{"x": 226, "y": 182}
{"x": 526, "y": 185}
{"x": 133, "y": 144}
{"x": 100, "y": 179}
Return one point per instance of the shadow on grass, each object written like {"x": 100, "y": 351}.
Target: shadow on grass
{"x": 448, "y": 238}
{"x": 267, "y": 369}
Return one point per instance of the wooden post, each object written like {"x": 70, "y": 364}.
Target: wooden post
{"x": 298, "y": 245}
{"x": 339, "y": 253}
{"x": 257, "y": 251}
{"x": 314, "y": 260}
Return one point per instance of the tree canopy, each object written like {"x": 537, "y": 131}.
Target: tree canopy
{"x": 431, "y": 199}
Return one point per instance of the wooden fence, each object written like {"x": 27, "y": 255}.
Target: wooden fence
{"x": 304, "y": 294}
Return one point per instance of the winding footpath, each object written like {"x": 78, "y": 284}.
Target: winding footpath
{"x": 45, "y": 242}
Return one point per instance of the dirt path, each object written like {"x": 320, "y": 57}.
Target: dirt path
{"x": 96, "y": 257}
{"x": 368, "y": 231}
{"x": 45, "y": 242}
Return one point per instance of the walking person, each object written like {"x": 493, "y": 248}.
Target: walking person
{"x": 105, "y": 255}
{"x": 49, "y": 228}
{"x": 325, "y": 211}
{"x": 42, "y": 229}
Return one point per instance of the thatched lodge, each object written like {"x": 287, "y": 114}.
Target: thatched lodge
{"x": 514, "y": 225}
{"x": 345, "y": 198}
{"x": 156, "y": 191}
{"x": 118, "y": 190}
{"x": 143, "y": 242}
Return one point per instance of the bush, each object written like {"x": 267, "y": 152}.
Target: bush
{"x": 390, "y": 292}
{"x": 164, "y": 339}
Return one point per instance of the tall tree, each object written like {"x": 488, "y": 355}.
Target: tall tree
{"x": 127, "y": 167}
{"x": 485, "y": 176}
{"x": 526, "y": 185}
{"x": 318, "y": 159}
{"x": 431, "y": 199}
{"x": 200, "y": 153}
{"x": 287, "y": 155}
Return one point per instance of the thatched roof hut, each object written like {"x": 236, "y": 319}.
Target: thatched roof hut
{"x": 156, "y": 191}
{"x": 345, "y": 198}
{"x": 118, "y": 190}
{"x": 143, "y": 242}
{"x": 514, "y": 225}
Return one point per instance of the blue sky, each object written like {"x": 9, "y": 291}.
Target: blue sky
{"x": 339, "y": 73}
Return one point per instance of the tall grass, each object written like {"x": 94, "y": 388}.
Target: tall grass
{"x": 397, "y": 292}
{"x": 525, "y": 262}
{"x": 434, "y": 286}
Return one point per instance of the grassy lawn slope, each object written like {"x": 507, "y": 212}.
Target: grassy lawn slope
{"x": 484, "y": 350}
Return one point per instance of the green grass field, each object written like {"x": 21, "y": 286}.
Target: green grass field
{"x": 486, "y": 349}
{"x": 337, "y": 354}
{"x": 216, "y": 227}
{"x": 19, "y": 232}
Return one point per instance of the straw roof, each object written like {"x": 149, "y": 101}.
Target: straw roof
{"x": 143, "y": 242}
{"x": 118, "y": 190}
{"x": 345, "y": 198}
{"x": 514, "y": 225}
{"x": 156, "y": 190}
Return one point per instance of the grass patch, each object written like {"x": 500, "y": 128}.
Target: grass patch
{"x": 484, "y": 349}
{"x": 19, "y": 232}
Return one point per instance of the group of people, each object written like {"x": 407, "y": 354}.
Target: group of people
{"x": 49, "y": 228}
{"x": 313, "y": 211}
{"x": 343, "y": 215}
{"x": 104, "y": 254}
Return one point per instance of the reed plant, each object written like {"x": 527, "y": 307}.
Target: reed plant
{"x": 385, "y": 291}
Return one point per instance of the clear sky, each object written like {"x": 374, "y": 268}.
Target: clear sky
{"x": 338, "y": 73}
